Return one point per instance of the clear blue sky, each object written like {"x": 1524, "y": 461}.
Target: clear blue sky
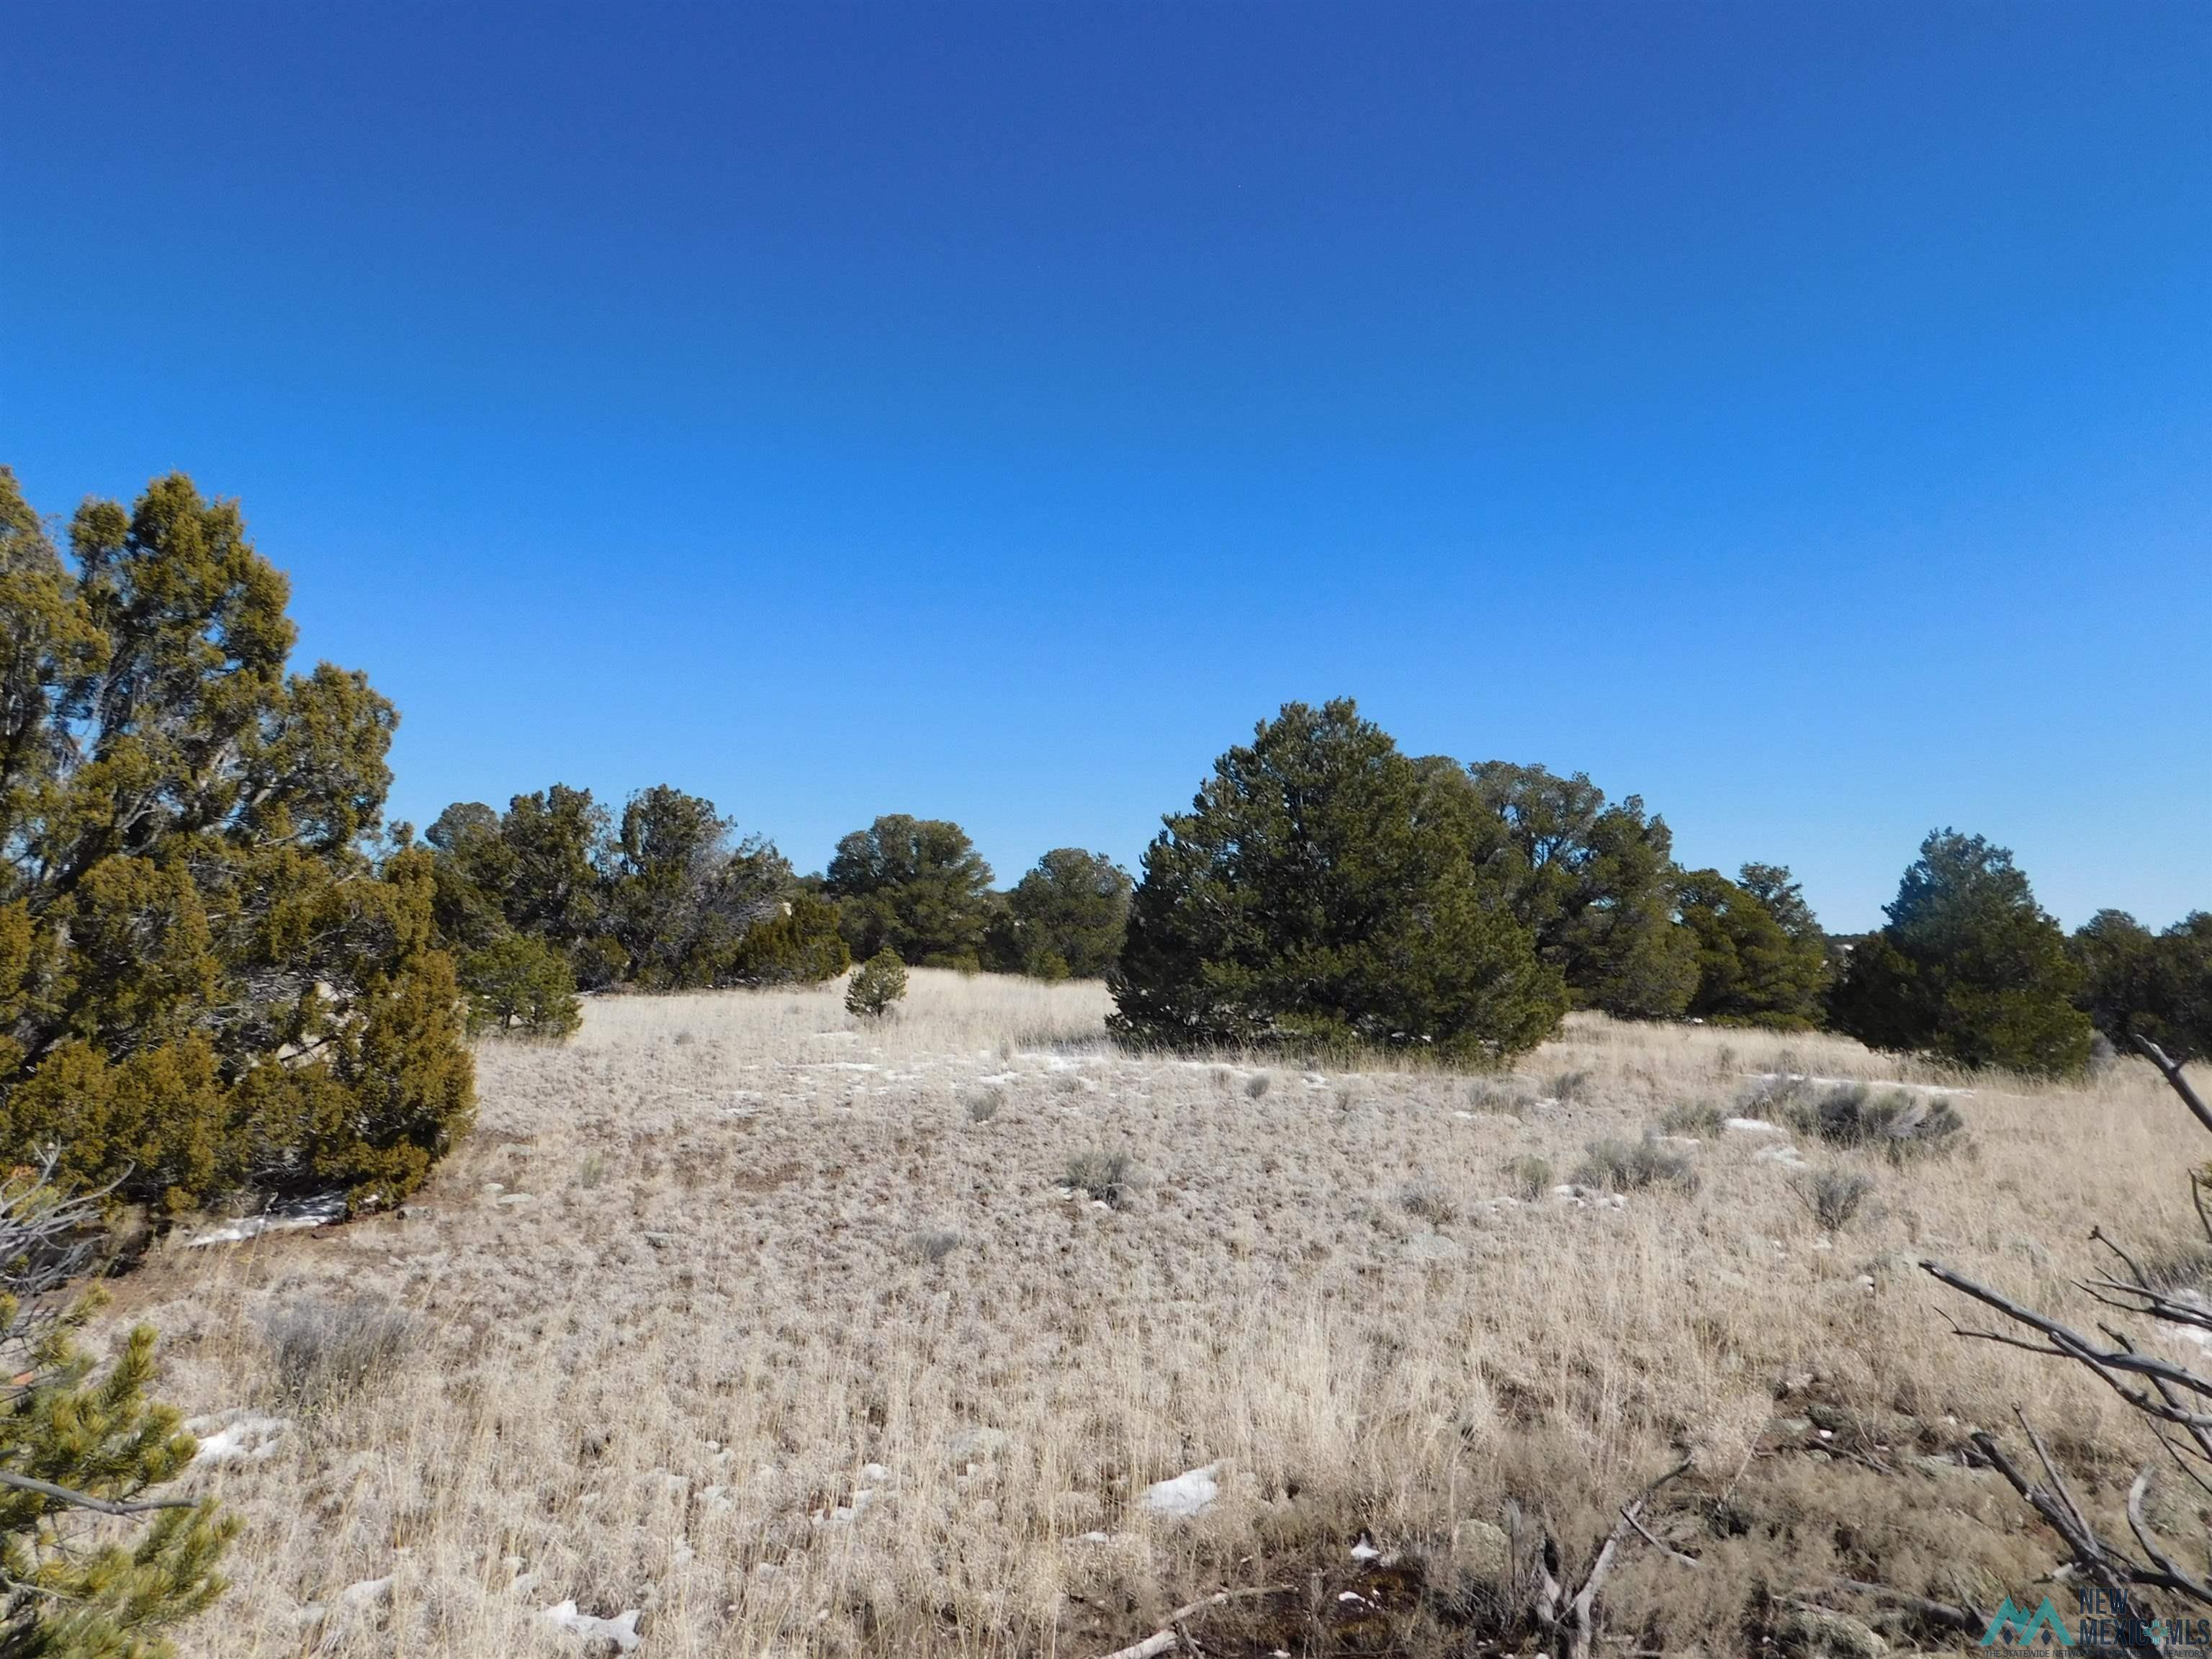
{"x": 1799, "y": 415}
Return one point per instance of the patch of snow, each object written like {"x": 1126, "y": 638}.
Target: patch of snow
{"x": 236, "y": 1436}
{"x": 1364, "y": 1551}
{"x": 317, "y": 1211}
{"x": 1751, "y": 1125}
{"x": 621, "y": 1630}
{"x": 1189, "y": 1494}
{"x": 1785, "y": 1154}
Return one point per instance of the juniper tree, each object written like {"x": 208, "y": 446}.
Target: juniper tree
{"x": 1593, "y": 882}
{"x": 1969, "y": 967}
{"x": 520, "y": 981}
{"x": 800, "y": 945}
{"x": 1065, "y": 918}
{"x": 2138, "y": 983}
{"x": 1321, "y": 888}
{"x": 1752, "y": 968}
{"x": 915, "y": 886}
{"x": 205, "y": 976}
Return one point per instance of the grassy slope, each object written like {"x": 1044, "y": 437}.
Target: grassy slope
{"x": 722, "y": 1279}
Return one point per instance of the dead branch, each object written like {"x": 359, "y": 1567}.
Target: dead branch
{"x": 1171, "y": 1636}
{"x": 2171, "y": 1070}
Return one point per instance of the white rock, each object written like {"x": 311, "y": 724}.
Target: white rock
{"x": 368, "y": 1593}
{"x": 235, "y": 1435}
{"x": 622, "y": 1630}
{"x": 1188, "y": 1494}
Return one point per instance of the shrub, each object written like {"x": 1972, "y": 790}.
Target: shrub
{"x": 1529, "y": 1176}
{"x": 1510, "y": 1098}
{"x": 322, "y": 1351}
{"x": 1258, "y": 1085}
{"x": 877, "y": 984}
{"x": 1969, "y": 967}
{"x": 930, "y": 1247}
{"x": 93, "y": 1436}
{"x": 983, "y": 1104}
{"x": 1108, "y": 1176}
{"x": 1429, "y": 1202}
{"x": 1630, "y": 1166}
{"x": 1322, "y": 893}
{"x": 1693, "y": 1117}
{"x": 521, "y": 982}
{"x": 800, "y": 944}
{"x": 187, "y": 891}
{"x": 1899, "y": 1123}
{"x": 1568, "y": 1087}
{"x": 1834, "y": 1196}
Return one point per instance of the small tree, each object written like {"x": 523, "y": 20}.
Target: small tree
{"x": 1970, "y": 967}
{"x": 1322, "y": 890}
{"x": 798, "y": 945}
{"x": 877, "y": 984}
{"x": 74, "y": 1441}
{"x": 521, "y": 981}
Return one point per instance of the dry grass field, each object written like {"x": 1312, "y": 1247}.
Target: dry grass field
{"x": 788, "y": 1334}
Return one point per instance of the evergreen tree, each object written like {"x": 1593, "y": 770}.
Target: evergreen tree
{"x": 1752, "y": 968}
{"x": 205, "y": 976}
{"x": 800, "y": 945}
{"x": 2136, "y": 983}
{"x": 914, "y": 886}
{"x": 877, "y": 984}
{"x": 78, "y": 1440}
{"x": 1970, "y": 967}
{"x": 1594, "y": 883}
{"x": 682, "y": 895}
{"x": 1065, "y": 919}
{"x": 1322, "y": 889}
{"x": 520, "y": 981}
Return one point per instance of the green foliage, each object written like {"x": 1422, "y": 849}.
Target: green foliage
{"x": 670, "y": 899}
{"x": 2156, "y": 985}
{"x": 1970, "y": 967}
{"x": 1065, "y": 919}
{"x": 520, "y": 982}
{"x": 915, "y": 886}
{"x": 1594, "y": 883}
{"x": 681, "y": 894}
{"x": 1752, "y": 968}
{"x": 800, "y": 944}
{"x": 205, "y": 978}
{"x": 877, "y": 984}
{"x": 1900, "y": 1123}
{"x": 1321, "y": 890}
{"x": 1631, "y": 1166}
{"x": 70, "y": 1594}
